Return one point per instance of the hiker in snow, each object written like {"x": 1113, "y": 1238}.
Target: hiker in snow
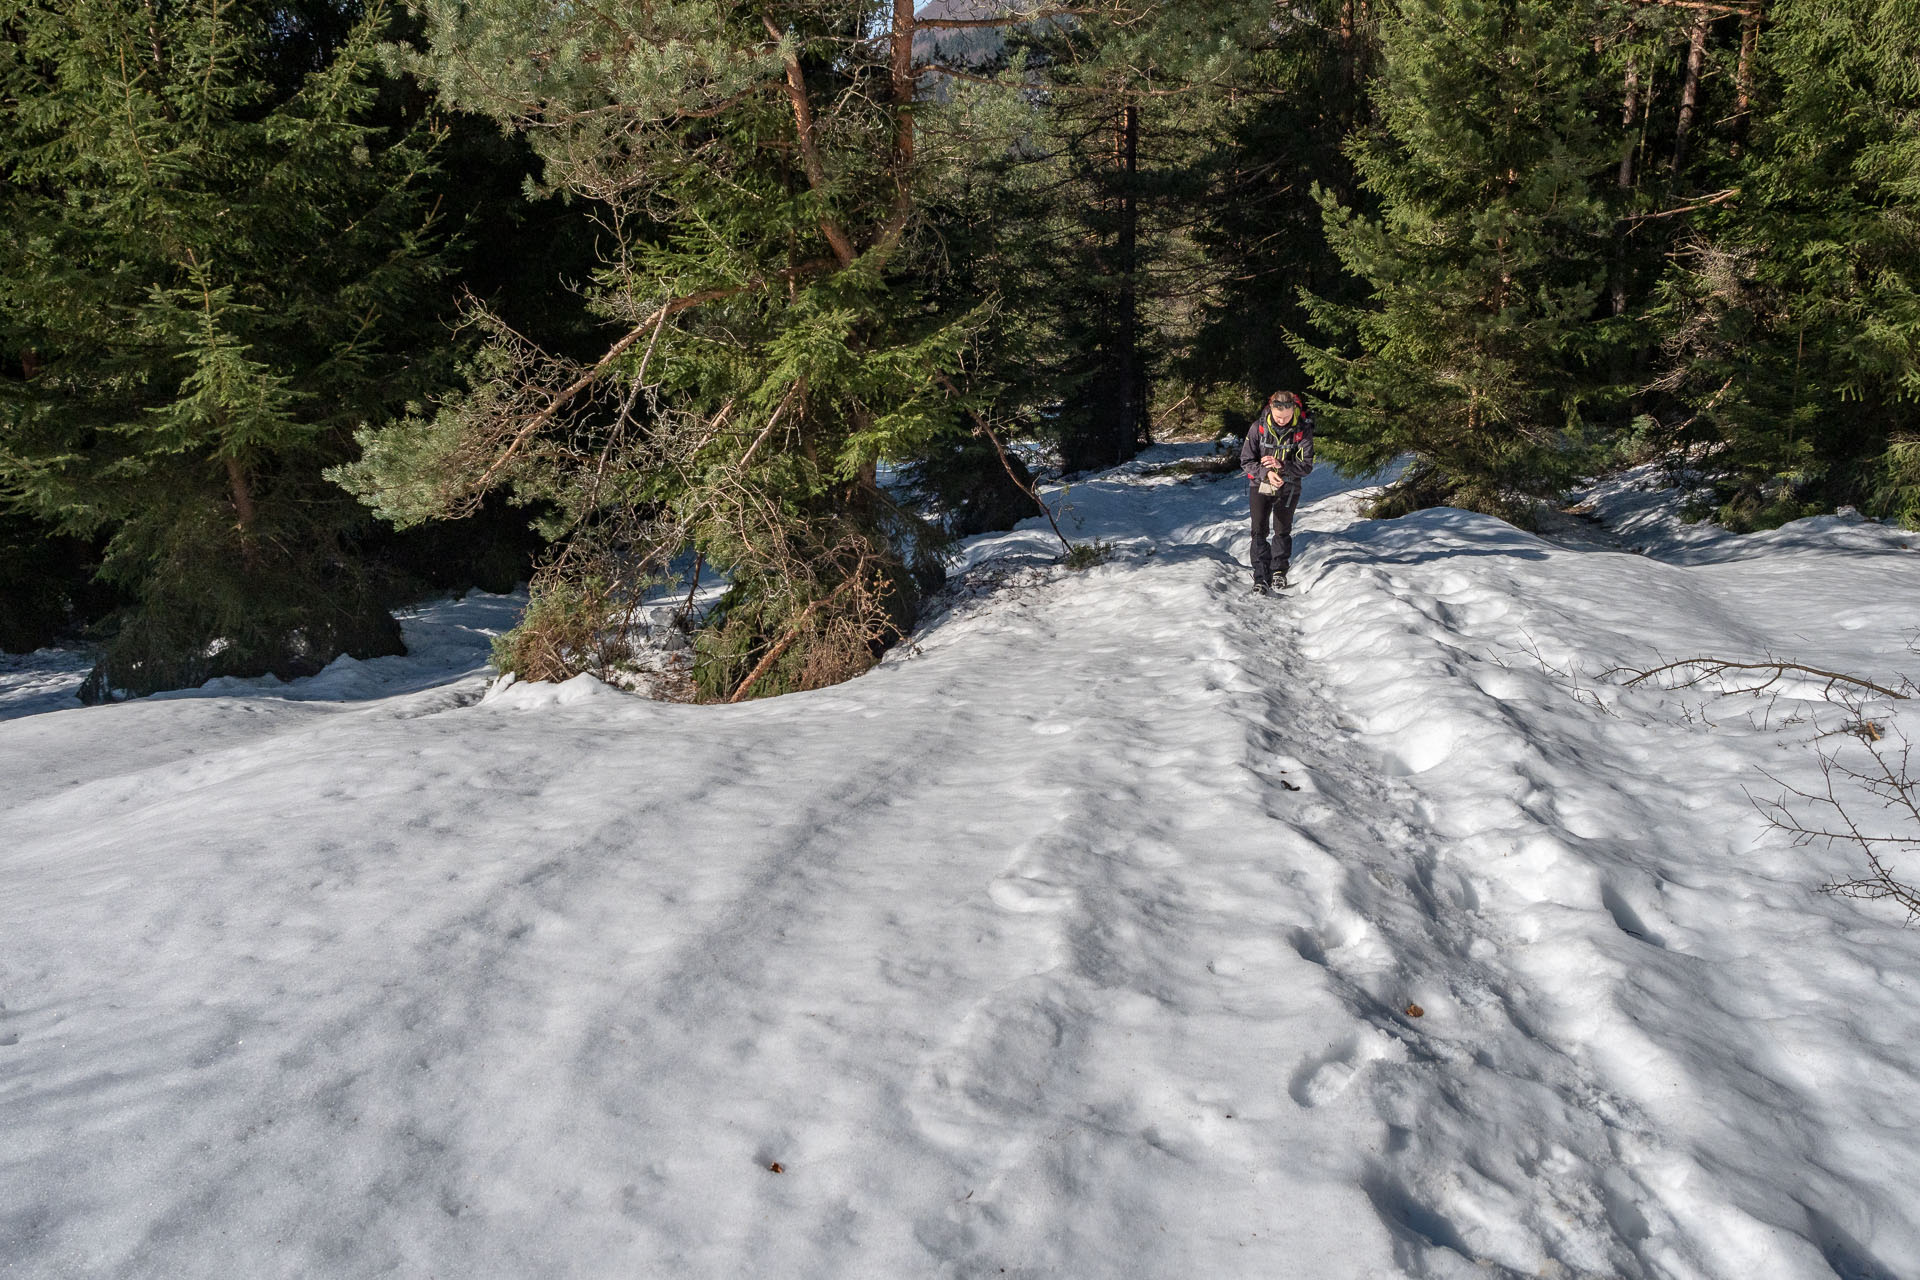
{"x": 1277, "y": 455}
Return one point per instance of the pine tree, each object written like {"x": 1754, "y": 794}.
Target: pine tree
{"x": 207, "y": 279}
{"x": 1476, "y": 349}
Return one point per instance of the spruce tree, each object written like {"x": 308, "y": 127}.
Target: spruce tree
{"x": 1476, "y": 348}
{"x": 1791, "y": 318}
{"x": 208, "y": 279}
{"x": 1131, "y": 102}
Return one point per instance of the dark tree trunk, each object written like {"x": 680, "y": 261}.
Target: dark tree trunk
{"x": 1132, "y": 397}
{"x": 1629, "y": 115}
{"x": 241, "y": 492}
{"x": 1743, "y": 75}
{"x": 1690, "y": 88}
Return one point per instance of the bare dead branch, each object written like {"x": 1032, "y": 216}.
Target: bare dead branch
{"x": 1889, "y": 781}
{"x": 1709, "y": 6}
{"x": 1707, "y": 668}
{"x": 941, "y": 68}
{"x": 567, "y": 394}
{"x": 981, "y": 428}
{"x": 798, "y": 388}
{"x": 1718, "y": 197}
{"x": 793, "y": 633}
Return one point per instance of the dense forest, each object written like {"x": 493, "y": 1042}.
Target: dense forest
{"x": 312, "y": 307}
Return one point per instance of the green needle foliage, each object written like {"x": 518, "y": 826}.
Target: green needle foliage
{"x": 1485, "y": 263}
{"x": 1274, "y": 139}
{"x": 208, "y": 281}
{"x": 1791, "y": 323}
{"x": 775, "y": 330}
{"x": 1509, "y": 240}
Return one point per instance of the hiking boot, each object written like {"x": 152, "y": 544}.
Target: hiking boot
{"x": 1280, "y": 580}
{"x": 1261, "y": 588}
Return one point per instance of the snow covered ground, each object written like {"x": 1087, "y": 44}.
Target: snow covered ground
{"x": 1083, "y": 938}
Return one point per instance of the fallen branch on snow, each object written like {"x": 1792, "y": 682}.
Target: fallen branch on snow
{"x": 1704, "y": 669}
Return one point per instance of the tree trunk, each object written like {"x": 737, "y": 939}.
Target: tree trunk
{"x": 243, "y": 507}
{"x": 808, "y": 143}
{"x": 1131, "y": 398}
{"x": 1690, "y": 88}
{"x": 1629, "y": 113}
{"x": 1348, "y": 71}
{"x": 1743, "y": 75}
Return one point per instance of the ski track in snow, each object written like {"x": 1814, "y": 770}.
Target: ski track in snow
{"x": 1079, "y": 939}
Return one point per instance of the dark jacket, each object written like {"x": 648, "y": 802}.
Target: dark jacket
{"x": 1292, "y": 446}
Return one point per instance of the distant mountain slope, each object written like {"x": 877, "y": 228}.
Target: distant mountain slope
{"x": 966, "y": 47}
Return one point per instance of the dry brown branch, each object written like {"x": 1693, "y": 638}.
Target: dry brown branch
{"x": 685, "y": 615}
{"x": 1709, "y": 6}
{"x": 1704, "y": 202}
{"x": 566, "y": 395}
{"x": 1707, "y": 668}
{"x": 798, "y": 388}
{"x": 942, "y": 68}
{"x": 793, "y": 633}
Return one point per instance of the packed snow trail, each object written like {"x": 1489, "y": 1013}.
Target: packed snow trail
{"x": 1077, "y": 940}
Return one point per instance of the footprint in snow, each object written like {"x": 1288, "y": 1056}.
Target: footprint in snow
{"x": 999, "y": 1068}
{"x": 1323, "y": 1077}
{"x": 1027, "y": 896}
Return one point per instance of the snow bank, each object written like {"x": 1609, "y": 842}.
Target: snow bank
{"x": 47, "y": 680}
{"x": 1084, "y": 937}
{"x": 1640, "y": 507}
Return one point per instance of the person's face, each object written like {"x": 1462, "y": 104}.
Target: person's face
{"x": 1283, "y": 414}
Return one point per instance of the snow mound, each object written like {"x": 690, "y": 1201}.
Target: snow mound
{"x": 509, "y": 694}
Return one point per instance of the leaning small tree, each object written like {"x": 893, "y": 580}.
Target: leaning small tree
{"x": 775, "y": 335}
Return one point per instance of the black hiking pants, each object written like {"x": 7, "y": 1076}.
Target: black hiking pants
{"x": 1278, "y": 509}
